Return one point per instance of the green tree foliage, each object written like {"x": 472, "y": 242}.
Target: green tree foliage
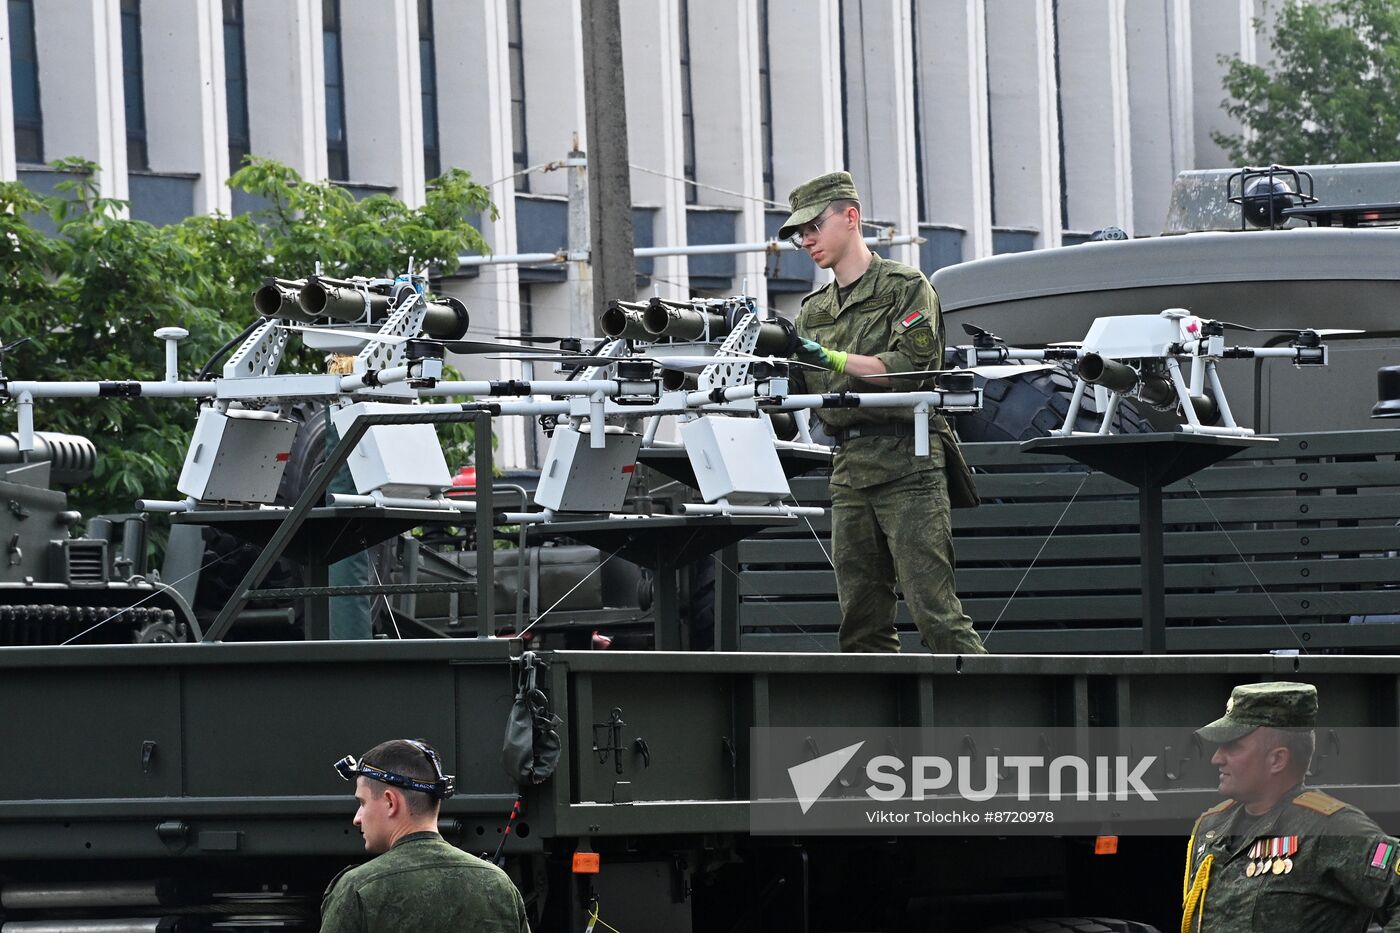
{"x": 1329, "y": 95}
{"x": 91, "y": 294}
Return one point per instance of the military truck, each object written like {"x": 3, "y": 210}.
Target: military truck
{"x": 190, "y": 786}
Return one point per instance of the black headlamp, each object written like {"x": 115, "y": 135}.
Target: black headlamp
{"x": 442, "y": 788}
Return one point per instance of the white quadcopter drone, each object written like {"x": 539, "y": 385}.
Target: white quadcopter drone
{"x": 1140, "y": 356}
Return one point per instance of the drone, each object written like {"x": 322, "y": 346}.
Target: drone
{"x": 1141, "y": 357}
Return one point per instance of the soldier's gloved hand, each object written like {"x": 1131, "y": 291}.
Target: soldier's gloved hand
{"x": 809, "y": 351}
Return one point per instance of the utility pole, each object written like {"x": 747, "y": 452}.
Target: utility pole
{"x": 609, "y": 175}
{"x": 583, "y": 319}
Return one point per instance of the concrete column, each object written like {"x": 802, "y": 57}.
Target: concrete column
{"x": 1218, "y": 27}
{"x": 804, "y": 61}
{"x": 880, "y": 106}
{"x": 287, "y": 83}
{"x": 474, "y": 133}
{"x": 952, "y": 64}
{"x": 1095, "y": 109}
{"x": 724, "y": 37}
{"x": 187, "y": 131}
{"x": 1025, "y": 126}
{"x": 383, "y": 94}
{"x": 79, "y": 44}
{"x": 1159, "y": 106}
{"x": 650, "y": 37}
{"x": 553, "y": 47}
{"x": 9, "y": 168}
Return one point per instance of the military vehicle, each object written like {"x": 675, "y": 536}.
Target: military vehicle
{"x": 55, "y": 586}
{"x": 191, "y": 786}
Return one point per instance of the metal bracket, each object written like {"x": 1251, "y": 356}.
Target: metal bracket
{"x": 404, "y": 321}
{"x": 148, "y": 756}
{"x": 611, "y": 734}
{"x": 260, "y": 354}
{"x": 741, "y": 340}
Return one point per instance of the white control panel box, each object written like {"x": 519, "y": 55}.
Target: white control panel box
{"x": 577, "y": 478}
{"x": 237, "y": 456}
{"x": 395, "y": 459}
{"x": 734, "y": 459}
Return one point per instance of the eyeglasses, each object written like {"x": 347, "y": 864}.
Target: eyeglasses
{"x": 799, "y": 238}
{"x": 445, "y": 785}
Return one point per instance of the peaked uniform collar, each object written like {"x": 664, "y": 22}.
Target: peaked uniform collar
{"x": 863, "y": 288}
{"x": 1263, "y": 825}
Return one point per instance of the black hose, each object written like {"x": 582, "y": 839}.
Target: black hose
{"x": 207, "y": 373}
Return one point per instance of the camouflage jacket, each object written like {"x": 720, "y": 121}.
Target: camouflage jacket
{"x": 425, "y": 885}
{"x": 1341, "y": 876}
{"x": 891, "y": 314}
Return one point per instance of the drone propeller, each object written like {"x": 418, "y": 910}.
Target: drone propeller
{"x": 990, "y": 372}
{"x": 678, "y": 363}
{"x": 456, "y": 346}
{"x": 1320, "y": 331}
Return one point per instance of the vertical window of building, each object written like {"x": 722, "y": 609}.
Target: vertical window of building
{"x": 765, "y": 88}
{"x": 687, "y": 109}
{"x": 427, "y": 64}
{"x": 133, "y": 87}
{"x": 337, "y": 151}
{"x": 517, "y": 93}
{"x": 845, "y": 108}
{"x": 918, "y": 115}
{"x": 24, "y": 83}
{"x": 235, "y": 84}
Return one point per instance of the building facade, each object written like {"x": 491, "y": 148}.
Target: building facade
{"x": 985, "y": 126}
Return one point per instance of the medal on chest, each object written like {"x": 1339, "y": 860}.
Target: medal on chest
{"x": 1271, "y": 856}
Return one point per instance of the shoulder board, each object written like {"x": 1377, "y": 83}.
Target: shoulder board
{"x": 1219, "y": 808}
{"x": 1319, "y": 802}
{"x": 899, "y": 270}
{"x": 336, "y": 880}
{"x": 812, "y": 294}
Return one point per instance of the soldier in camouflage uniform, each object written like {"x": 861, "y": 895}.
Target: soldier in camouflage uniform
{"x": 1277, "y": 856}
{"x": 890, "y": 521}
{"x": 418, "y": 882}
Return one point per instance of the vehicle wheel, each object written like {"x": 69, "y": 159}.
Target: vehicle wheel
{"x": 1073, "y": 925}
{"x": 1033, "y": 404}
{"x": 700, "y": 610}
{"x": 163, "y": 632}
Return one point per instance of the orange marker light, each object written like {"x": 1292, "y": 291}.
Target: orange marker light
{"x": 1103, "y": 845}
{"x": 586, "y": 863}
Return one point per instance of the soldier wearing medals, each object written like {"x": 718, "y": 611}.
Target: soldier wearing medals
{"x": 1278, "y": 856}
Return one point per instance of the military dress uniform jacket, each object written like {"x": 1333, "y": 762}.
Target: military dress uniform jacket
{"x": 1341, "y": 876}
{"x": 425, "y": 885}
{"x": 891, "y": 313}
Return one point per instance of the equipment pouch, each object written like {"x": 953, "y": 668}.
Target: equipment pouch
{"x": 530, "y": 752}
{"x": 962, "y": 489}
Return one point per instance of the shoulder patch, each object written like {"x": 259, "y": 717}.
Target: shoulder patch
{"x": 1318, "y": 802}
{"x": 912, "y": 318}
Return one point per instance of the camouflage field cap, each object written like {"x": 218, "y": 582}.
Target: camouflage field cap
{"x": 809, "y": 199}
{"x": 1280, "y": 705}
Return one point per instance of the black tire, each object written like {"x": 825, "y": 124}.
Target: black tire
{"x": 234, "y": 556}
{"x": 700, "y": 610}
{"x": 1033, "y": 404}
{"x": 1073, "y": 925}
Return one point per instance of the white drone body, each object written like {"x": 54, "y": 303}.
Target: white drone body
{"x": 1141, "y": 356}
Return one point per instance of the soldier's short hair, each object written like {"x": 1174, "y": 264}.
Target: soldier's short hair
{"x": 406, "y": 759}
{"x": 840, "y": 204}
{"x": 1300, "y": 744}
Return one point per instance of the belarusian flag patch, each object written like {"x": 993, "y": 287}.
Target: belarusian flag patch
{"x": 912, "y": 318}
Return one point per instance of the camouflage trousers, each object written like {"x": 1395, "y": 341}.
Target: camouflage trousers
{"x": 897, "y": 532}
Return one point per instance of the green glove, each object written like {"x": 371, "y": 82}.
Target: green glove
{"x": 809, "y": 351}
